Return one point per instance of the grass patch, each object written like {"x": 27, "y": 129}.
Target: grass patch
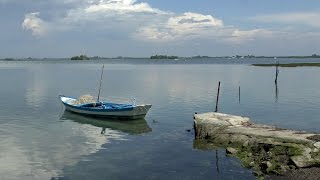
{"x": 290, "y": 65}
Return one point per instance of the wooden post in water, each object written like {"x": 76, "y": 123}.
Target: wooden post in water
{"x": 277, "y": 73}
{"x": 217, "y": 101}
{"x": 276, "y": 81}
{"x": 239, "y": 94}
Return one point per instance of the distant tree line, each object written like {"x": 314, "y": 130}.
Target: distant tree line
{"x": 81, "y": 57}
{"x": 199, "y": 57}
{"x": 163, "y": 57}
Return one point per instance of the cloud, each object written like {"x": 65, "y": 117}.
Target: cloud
{"x": 295, "y": 18}
{"x": 139, "y": 21}
{"x": 121, "y": 6}
{"x": 189, "y": 23}
{"x": 198, "y": 26}
{"x": 194, "y": 20}
{"x": 239, "y": 36}
{"x": 102, "y": 14}
{"x": 33, "y": 23}
{"x": 187, "y": 26}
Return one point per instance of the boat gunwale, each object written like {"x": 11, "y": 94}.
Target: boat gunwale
{"x": 91, "y": 109}
{"x": 124, "y": 117}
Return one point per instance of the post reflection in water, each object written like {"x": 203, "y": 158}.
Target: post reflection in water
{"x": 276, "y": 93}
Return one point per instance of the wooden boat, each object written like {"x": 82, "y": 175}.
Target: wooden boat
{"x": 137, "y": 126}
{"x": 106, "y": 109}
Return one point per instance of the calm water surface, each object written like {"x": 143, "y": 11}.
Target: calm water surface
{"x": 38, "y": 140}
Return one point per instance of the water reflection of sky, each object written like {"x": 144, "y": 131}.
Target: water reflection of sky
{"x": 34, "y": 154}
{"x": 35, "y": 144}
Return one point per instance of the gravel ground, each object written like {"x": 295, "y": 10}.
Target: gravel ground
{"x": 300, "y": 174}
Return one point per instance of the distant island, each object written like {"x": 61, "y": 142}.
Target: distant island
{"x": 163, "y": 57}
{"x": 81, "y": 57}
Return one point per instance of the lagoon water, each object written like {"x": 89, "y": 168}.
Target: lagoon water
{"x": 38, "y": 140}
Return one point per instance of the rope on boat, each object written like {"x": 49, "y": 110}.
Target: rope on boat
{"x": 83, "y": 99}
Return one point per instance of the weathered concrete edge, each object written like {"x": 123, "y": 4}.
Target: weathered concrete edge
{"x": 224, "y": 128}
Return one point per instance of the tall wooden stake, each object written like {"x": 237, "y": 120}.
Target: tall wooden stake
{"x": 217, "y": 101}
{"x": 239, "y": 94}
{"x": 100, "y": 84}
{"x": 277, "y": 73}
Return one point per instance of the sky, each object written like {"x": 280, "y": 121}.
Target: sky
{"x": 141, "y": 28}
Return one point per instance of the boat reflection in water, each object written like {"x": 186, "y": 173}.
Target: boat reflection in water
{"x": 137, "y": 126}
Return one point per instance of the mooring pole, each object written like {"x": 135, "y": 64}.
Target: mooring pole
{"x": 277, "y": 73}
{"x": 239, "y": 94}
{"x": 217, "y": 101}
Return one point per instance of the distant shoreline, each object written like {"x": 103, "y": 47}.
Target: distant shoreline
{"x": 170, "y": 58}
{"x": 290, "y": 65}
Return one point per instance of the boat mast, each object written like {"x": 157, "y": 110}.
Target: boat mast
{"x": 100, "y": 84}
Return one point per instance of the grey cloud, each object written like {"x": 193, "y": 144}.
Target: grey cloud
{"x": 187, "y": 21}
